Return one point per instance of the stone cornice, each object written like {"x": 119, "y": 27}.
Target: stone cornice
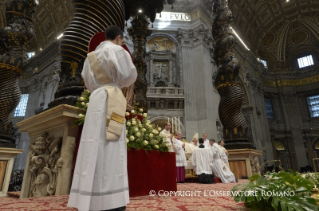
{"x": 45, "y": 58}
{"x": 296, "y": 74}
{"x": 250, "y": 80}
{"x": 205, "y": 5}
{"x": 250, "y": 57}
{"x": 193, "y": 37}
{"x": 35, "y": 82}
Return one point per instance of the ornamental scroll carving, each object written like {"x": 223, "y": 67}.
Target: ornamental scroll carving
{"x": 44, "y": 165}
{"x": 255, "y": 168}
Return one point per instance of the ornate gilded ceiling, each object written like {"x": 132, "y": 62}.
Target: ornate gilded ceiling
{"x": 278, "y": 31}
{"x": 50, "y": 20}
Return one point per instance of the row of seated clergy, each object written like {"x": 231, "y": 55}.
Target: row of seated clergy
{"x": 205, "y": 160}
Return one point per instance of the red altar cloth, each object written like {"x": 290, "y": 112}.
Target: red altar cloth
{"x": 151, "y": 170}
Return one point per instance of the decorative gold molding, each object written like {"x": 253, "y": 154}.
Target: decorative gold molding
{"x": 299, "y": 82}
{"x": 3, "y": 65}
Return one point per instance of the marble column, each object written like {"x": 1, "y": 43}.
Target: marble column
{"x": 170, "y": 83}
{"x": 139, "y": 32}
{"x": 197, "y": 78}
{"x": 291, "y": 153}
{"x": 151, "y": 73}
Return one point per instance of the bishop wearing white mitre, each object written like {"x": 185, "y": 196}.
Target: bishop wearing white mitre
{"x": 189, "y": 147}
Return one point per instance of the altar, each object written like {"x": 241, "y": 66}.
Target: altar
{"x": 150, "y": 171}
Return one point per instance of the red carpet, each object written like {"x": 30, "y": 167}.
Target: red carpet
{"x": 143, "y": 203}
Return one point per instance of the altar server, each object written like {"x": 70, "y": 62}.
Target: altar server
{"x": 100, "y": 177}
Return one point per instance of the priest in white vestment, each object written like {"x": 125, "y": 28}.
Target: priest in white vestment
{"x": 219, "y": 167}
{"x": 202, "y": 162}
{"x": 221, "y": 144}
{"x": 167, "y": 136}
{"x": 100, "y": 179}
{"x": 206, "y": 141}
{"x": 178, "y": 147}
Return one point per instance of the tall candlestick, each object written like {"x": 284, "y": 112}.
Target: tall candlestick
{"x": 179, "y": 123}
{"x": 176, "y": 124}
{"x": 173, "y": 125}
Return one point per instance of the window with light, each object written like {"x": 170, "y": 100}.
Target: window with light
{"x": 264, "y": 62}
{"x": 21, "y": 108}
{"x": 313, "y": 105}
{"x": 269, "y": 110}
{"x": 31, "y": 54}
{"x": 305, "y": 61}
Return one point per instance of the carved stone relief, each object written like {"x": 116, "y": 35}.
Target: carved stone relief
{"x": 44, "y": 168}
{"x": 255, "y": 168}
{"x": 161, "y": 44}
{"x": 161, "y": 71}
{"x": 289, "y": 97}
{"x": 161, "y": 59}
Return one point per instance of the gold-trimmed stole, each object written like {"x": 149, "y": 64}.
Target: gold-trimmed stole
{"x": 116, "y": 106}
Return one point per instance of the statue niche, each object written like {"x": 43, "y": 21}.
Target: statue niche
{"x": 161, "y": 57}
{"x": 44, "y": 165}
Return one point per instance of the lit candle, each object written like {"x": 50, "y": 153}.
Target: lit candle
{"x": 179, "y": 123}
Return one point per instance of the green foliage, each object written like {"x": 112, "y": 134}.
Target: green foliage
{"x": 276, "y": 191}
{"x": 139, "y": 134}
{"x": 82, "y": 103}
{"x": 312, "y": 177}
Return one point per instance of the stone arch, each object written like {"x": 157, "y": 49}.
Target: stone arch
{"x": 178, "y": 60}
{"x": 160, "y": 83}
{"x": 282, "y": 152}
{"x": 161, "y": 120}
{"x": 163, "y": 35}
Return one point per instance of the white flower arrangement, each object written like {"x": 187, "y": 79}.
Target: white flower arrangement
{"x": 140, "y": 133}
{"x": 145, "y": 134}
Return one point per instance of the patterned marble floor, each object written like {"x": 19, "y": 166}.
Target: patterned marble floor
{"x": 190, "y": 196}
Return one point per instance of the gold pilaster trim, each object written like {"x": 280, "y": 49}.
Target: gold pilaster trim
{"x": 2, "y": 65}
{"x": 227, "y": 84}
{"x": 299, "y": 82}
{"x": 19, "y": 13}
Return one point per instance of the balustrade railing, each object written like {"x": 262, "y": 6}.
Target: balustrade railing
{"x": 151, "y": 91}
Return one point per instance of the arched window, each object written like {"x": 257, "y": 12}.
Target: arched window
{"x": 160, "y": 84}
{"x": 305, "y": 61}
{"x": 22, "y": 106}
